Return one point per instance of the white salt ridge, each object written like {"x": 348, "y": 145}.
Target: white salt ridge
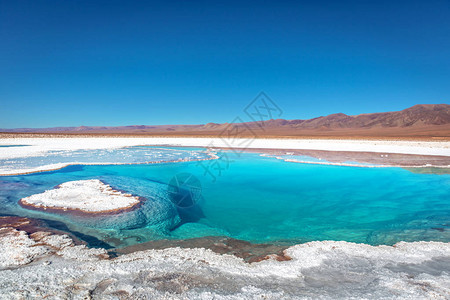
{"x": 84, "y": 195}
{"x": 317, "y": 270}
{"x": 349, "y": 164}
{"x": 17, "y": 248}
{"x": 6, "y": 172}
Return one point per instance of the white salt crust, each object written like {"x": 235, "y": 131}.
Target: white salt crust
{"x": 54, "y": 268}
{"x": 83, "y": 195}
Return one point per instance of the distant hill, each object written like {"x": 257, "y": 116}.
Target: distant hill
{"x": 420, "y": 120}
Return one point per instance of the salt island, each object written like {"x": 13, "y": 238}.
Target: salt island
{"x": 82, "y": 196}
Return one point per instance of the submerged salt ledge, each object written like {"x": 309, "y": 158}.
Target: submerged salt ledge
{"x": 57, "y": 268}
{"x": 58, "y": 159}
{"x": 91, "y": 196}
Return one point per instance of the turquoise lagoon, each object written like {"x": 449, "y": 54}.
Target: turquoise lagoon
{"x": 254, "y": 198}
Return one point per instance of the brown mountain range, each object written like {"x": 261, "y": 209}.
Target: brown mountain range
{"x": 427, "y": 120}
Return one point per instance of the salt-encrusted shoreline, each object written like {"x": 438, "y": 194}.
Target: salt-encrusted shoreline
{"x": 358, "y": 165}
{"x": 38, "y": 146}
{"x": 42, "y": 265}
{"x": 23, "y": 241}
{"x": 42, "y": 146}
{"x": 55, "y": 167}
{"x": 82, "y": 197}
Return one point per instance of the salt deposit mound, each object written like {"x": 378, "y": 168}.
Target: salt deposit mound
{"x": 83, "y": 196}
{"x": 96, "y": 204}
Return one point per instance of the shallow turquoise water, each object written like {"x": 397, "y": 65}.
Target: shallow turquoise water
{"x": 262, "y": 199}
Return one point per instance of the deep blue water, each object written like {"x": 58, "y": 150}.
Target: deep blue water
{"x": 258, "y": 199}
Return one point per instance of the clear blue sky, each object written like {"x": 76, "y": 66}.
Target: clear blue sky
{"x": 71, "y": 63}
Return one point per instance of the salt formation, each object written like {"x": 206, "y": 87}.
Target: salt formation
{"x": 19, "y": 248}
{"x": 56, "y": 268}
{"x": 87, "y": 196}
{"x": 94, "y": 204}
